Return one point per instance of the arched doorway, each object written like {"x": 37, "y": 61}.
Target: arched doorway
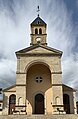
{"x": 12, "y": 102}
{"x": 66, "y": 102}
{"x": 38, "y": 82}
{"x": 39, "y": 104}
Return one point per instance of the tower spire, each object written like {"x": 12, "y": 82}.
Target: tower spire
{"x": 38, "y": 10}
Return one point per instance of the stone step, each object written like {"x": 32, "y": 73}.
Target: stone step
{"x": 70, "y": 116}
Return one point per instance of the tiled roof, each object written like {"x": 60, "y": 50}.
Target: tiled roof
{"x": 38, "y": 21}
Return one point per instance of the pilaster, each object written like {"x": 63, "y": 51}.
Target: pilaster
{"x": 21, "y": 91}
{"x": 57, "y": 92}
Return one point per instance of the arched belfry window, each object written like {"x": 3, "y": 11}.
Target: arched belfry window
{"x": 36, "y": 31}
{"x": 40, "y": 31}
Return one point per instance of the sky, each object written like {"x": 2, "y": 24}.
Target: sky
{"x": 61, "y": 17}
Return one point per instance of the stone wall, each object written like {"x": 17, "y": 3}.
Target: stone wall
{"x": 70, "y": 116}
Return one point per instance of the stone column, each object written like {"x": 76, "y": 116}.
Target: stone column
{"x": 74, "y": 99}
{"x": 26, "y": 95}
{"x": 52, "y": 93}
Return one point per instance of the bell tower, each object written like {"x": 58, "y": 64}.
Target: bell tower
{"x": 38, "y": 31}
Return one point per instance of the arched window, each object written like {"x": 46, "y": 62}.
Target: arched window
{"x": 36, "y": 31}
{"x": 40, "y": 31}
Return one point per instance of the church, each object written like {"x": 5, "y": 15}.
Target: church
{"x": 39, "y": 88}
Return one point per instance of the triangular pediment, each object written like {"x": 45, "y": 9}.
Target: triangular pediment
{"x": 10, "y": 89}
{"x": 39, "y": 49}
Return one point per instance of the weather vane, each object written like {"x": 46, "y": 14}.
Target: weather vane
{"x": 38, "y": 10}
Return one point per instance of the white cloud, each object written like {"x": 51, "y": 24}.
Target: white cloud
{"x": 70, "y": 71}
{"x": 7, "y": 72}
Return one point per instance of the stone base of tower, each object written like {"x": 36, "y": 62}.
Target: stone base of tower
{"x": 20, "y": 109}
{"x": 58, "y": 109}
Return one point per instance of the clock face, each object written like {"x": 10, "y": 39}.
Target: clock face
{"x": 38, "y": 39}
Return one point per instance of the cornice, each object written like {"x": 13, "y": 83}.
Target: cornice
{"x": 38, "y": 54}
{"x": 9, "y": 91}
{"x": 20, "y": 106}
{"x": 20, "y": 84}
{"x": 56, "y": 72}
{"x": 57, "y": 85}
{"x": 18, "y": 72}
{"x": 54, "y": 105}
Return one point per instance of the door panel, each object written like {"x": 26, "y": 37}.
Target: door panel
{"x": 66, "y": 102}
{"x": 12, "y": 102}
{"x": 39, "y": 104}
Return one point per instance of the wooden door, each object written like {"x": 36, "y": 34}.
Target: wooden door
{"x": 12, "y": 102}
{"x": 39, "y": 104}
{"x": 66, "y": 102}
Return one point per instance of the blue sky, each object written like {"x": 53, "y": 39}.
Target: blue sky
{"x": 61, "y": 17}
{"x": 72, "y": 6}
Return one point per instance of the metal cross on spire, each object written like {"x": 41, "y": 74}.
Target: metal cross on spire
{"x": 38, "y": 10}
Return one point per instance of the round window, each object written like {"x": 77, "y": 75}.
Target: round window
{"x": 39, "y": 79}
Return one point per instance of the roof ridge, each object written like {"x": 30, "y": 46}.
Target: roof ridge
{"x": 39, "y": 45}
{"x": 9, "y": 87}
{"x": 69, "y": 87}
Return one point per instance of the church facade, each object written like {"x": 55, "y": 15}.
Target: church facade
{"x": 39, "y": 88}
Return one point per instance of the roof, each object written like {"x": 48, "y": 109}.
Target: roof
{"x": 67, "y": 88}
{"x": 25, "y": 50}
{"x": 39, "y": 22}
{"x": 8, "y": 88}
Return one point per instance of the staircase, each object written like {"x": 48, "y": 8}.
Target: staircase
{"x": 70, "y": 116}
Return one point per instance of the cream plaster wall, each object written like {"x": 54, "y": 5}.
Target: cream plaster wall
{"x": 21, "y": 79}
{"x": 57, "y": 92}
{"x": 56, "y": 79}
{"x": 21, "y": 93}
{"x": 53, "y": 62}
